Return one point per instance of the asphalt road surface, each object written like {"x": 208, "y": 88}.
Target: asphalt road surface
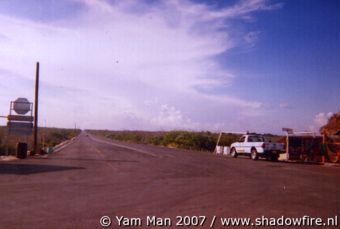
{"x": 92, "y": 177}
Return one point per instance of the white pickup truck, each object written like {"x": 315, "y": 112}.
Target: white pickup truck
{"x": 256, "y": 146}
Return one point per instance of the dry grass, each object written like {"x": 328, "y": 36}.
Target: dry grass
{"x": 46, "y": 137}
{"x": 203, "y": 141}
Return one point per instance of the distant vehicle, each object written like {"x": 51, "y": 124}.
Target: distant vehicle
{"x": 256, "y": 146}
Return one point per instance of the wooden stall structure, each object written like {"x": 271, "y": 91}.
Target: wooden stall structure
{"x": 303, "y": 146}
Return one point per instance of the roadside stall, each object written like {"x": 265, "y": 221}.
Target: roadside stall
{"x": 303, "y": 146}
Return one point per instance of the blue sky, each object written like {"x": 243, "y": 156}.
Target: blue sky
{"x": 160, "y": 65}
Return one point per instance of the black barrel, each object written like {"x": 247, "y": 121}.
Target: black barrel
{"x": 21, "y": 150}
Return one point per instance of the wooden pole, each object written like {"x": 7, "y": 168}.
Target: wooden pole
{"x": 287, "y": 146}
{"x": 35, "y": 140}
{"x": 218, "y": 141}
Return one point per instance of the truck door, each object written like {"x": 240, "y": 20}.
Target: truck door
{"x": 249, "y": 143}
{"x": 240, "y": 145}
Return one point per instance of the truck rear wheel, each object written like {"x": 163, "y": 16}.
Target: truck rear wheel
{"x": 233, "y": 152}
{"x": 253, "y": 154}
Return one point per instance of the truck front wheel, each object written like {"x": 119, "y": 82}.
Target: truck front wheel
{"x": 253, "y": 154}
{"x": 233, "y": 152}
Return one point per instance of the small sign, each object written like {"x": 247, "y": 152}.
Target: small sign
{"x": 20, "y": 118}
{"x": 288, "y": 130}
{"x": 20, "y": 128}
{"x": 21, "y": 106}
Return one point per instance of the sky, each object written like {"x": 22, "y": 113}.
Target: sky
{"x": 197, "y": 65}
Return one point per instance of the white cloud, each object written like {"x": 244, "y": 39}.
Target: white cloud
{"x": 111, "y": 58}
{"x": 171, "y": 118}
{"x": 3, "y": 37}
{"x": 320, "y": 120}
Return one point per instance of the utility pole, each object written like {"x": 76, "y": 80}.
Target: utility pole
{"x": 35, "y": 140}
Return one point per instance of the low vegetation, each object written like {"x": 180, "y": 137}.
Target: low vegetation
{"x": 47, "y": 137}
{"x": 203, "y": 141}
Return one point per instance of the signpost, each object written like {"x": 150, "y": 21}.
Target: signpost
{"x": 20, "y": 128}
{"x": 21, "y": 106}
{"x": 19, "y": 123}
{"x": 20, "y": 118}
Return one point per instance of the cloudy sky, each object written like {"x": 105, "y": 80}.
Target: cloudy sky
{"x": 160, "y": 65}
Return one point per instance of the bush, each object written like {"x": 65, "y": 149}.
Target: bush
{"x": 204, "y": 141}
{"x": 46, "y": 137}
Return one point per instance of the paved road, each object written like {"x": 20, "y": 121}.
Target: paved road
{"x": 92, "y": 177}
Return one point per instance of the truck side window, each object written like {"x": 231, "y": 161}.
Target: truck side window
{"x": 242, "y": 139}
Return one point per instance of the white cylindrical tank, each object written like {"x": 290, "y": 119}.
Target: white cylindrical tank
{"x": 226, "y": 150}
{"x": 219, "y": 149}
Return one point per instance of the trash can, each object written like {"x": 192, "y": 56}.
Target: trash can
{"x": 226, "y": 150}
{"x": 49, "y": 150}
{"x": 21, "y": 150}
{"x": 219, "y": 149}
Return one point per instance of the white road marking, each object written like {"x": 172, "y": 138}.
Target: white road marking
{"x": 102, "y": 156}
{"x": 125, "y": 147}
